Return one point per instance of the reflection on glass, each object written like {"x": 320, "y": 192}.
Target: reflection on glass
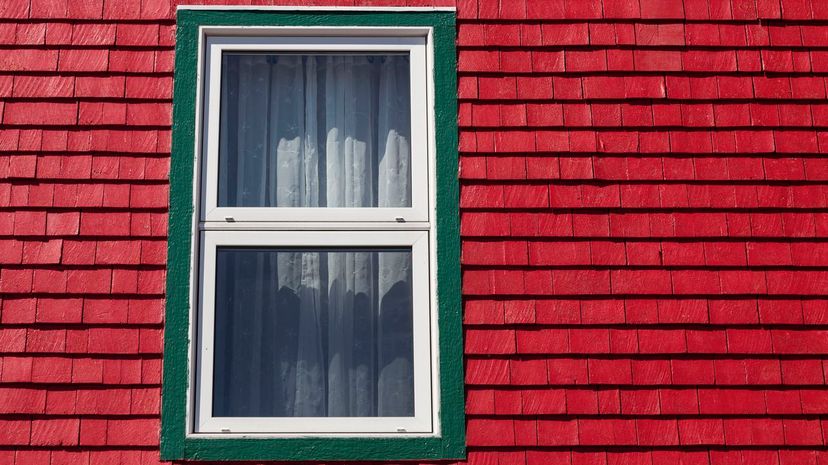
{"x": 315, "y": 131}
{"x": 313, "y": 333}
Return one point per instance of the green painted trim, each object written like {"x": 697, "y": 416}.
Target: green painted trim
{"x": 175, "y": 445}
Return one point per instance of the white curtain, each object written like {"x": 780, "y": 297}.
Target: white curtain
{"x": 314, "y": 332}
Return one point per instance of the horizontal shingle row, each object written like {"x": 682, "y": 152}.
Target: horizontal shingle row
{"x": 89, "y": 252}
{"x": 668, "y": 311}
{"x": 86, "y": 60}
{"x": 603, "y": 60}
{"x": 620, "y": 140}
{"x": 659, "y": 282}
{"x": 539, "y": 195}
{"x": 78, "y": 281}
{"x": 80, "y": 168}
{"x": 741, "y": 168}
{"x": 626, "y": 224}
{"x": 607, "y": 115}
{"x": 75, "y": 310}
{"x": 624, "y": 370}
{"x": 647, "y": 432}
{"x": 67, "y": 85}
{"x": 660, "y": 456}
{"x": 580, "y": 401}
{"x": 67, "y": 432}
{"x": 640, "y": 34}
{"x": 528, "y": 87}
{"x": 719, "y": 10}
{"x": 732, "y": 341}
{"x": 109, "y": 141}
{"x": 92, "y": 340}
{"x": 639, "y": 253}
{"x": 85, "y": 114}
{"x": 86, "y": 195}
{"x": 93, "y": 370}
{"x": 86, "y": 34}
{"x": 111, "y": 401}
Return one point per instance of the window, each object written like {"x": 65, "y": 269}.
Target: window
{"x": 314, "y": 327}
{"x": 313, "y": 307}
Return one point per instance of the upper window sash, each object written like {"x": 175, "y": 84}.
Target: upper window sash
{"x": 349, "y": 40}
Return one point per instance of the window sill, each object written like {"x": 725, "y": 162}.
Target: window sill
{"x": 313, "y": 449}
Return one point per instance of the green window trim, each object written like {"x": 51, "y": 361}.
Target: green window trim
{"x": 175, "y": 443}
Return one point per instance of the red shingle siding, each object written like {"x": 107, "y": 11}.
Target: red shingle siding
{"x": 644, "y": 222}
{"x": 83, "y": 201}
{"x": 644, "y": 231}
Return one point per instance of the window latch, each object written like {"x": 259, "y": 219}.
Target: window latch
{"x": 400, "y": 219}
{"x": 229, "y": 219}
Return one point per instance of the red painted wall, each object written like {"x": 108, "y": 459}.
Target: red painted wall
{"x": 644, "y": 222}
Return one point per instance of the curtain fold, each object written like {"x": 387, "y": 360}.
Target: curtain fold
{"x": 301, "y": 332}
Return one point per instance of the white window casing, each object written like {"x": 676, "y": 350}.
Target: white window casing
{"x": 412, "y": 227}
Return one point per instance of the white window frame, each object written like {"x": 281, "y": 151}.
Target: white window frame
{"x": 415, "y": 46}
{"x": 413, "y": 227}
{"x": 416, "y": 240}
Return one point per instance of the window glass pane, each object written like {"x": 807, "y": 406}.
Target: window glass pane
{"x": 315, "y": 130}
{"x": 313, "y": 333}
